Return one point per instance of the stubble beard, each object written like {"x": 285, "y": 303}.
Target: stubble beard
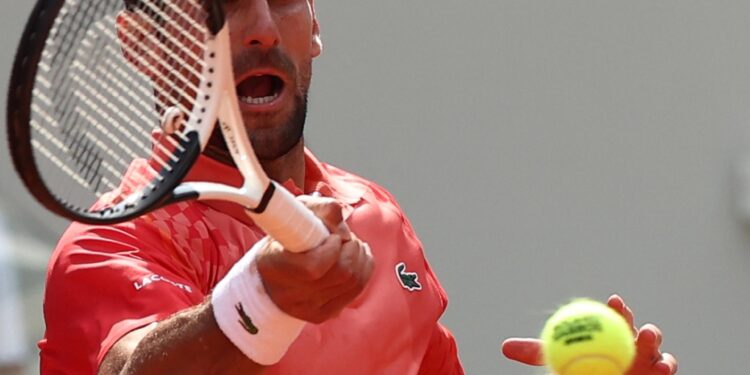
{"x": 272, "y": 141}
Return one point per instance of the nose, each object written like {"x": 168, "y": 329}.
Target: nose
{"x": 259, "y": 27}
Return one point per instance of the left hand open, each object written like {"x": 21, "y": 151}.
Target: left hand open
{"x": 649, "y": 360}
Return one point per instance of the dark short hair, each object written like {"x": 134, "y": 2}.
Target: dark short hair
{"x": 131, "y": 4}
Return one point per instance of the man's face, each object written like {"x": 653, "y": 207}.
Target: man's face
{"x": 273, "y": 44}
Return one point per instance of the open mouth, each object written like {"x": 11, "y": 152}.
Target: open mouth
{"x": 260, "y": 89}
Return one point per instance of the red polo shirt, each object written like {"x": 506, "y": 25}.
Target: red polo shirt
{"x": 105, "y": 281}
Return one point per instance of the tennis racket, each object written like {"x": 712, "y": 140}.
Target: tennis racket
{"x": 112, "y": 101}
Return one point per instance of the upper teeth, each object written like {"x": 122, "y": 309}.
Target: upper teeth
{"x": 263, "y": 100}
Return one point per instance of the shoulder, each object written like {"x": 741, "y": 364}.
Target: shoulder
{"x": 135, "y": 240}
{"x": 375, "y": 202}
{"x": 105, "y": 281}
{"x": 370, "y": 190}
{"x": 82, "y": 243}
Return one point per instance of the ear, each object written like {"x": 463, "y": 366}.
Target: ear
{"x": 140, "y": 50}
{"x": 317, "y": 43}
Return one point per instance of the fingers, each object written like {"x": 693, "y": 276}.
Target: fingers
{"x": 648, "y": 341}
{"x": 647, "y": 344}
{"x": 618, "y": 304}
{"x": 648, "y": 357}
{"x": 354, "y": 267}
{"x": 304, "y": 266}
{"x": 317, "y": 284}
{"x": 667, "y": 365}
{"x": 330, "y": 213}
{"x": 524, "y": 350}
{"x": 284, "y": 266}
{"x": 357, "y": 258}
{"x": 342, "y": 284}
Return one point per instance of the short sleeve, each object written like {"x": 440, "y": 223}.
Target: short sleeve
{"x": 103, "y": 282}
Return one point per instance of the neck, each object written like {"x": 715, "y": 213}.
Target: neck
{"x": 288, "y": 166}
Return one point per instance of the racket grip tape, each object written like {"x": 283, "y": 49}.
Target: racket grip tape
{"x": 288, "y": 221}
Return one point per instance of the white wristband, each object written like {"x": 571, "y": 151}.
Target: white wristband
{"x": 248, "y": 316}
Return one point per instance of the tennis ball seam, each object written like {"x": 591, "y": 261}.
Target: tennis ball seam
{"x": 564, "y": 368}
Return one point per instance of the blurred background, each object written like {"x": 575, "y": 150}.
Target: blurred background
{"x": 543, "y": 150}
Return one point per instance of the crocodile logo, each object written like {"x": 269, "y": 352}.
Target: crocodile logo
{"x": 408, "y": 280}
{"x": 245, "y": 320}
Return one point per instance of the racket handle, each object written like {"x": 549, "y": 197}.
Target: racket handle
{"x": 288, "y": 221}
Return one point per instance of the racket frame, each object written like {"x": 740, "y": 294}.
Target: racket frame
{"x": 20, "y": 94}
{"x": 272, "y": 207}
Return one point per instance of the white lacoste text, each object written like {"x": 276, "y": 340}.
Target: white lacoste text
{"x": 146, "y": 280}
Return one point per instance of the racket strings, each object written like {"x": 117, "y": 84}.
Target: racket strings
{"x": 163, "y": 69}
{"x": 105, "y": 78}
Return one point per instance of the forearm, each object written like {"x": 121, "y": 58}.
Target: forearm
{"x": 189, "y": 342}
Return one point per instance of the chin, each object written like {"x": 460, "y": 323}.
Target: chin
{"x": 274, "y": 142}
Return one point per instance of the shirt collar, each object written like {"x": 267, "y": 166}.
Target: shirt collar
{"x": 330, "y": 182}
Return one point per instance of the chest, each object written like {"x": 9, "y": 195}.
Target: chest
{"x": 387, "y": 328}
{"x": 384, "y": 330}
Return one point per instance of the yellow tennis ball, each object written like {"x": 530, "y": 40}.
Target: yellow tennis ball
{"x": 587, "y": 337}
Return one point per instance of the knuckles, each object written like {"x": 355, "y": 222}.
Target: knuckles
{"x": 316, "y": 285}
{"x": 327, "y": 209}
{"x": 317, "y": 318}
{"x": 312, "y": 289}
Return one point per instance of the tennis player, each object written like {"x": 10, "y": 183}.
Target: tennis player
{"x": 136, "y": 298}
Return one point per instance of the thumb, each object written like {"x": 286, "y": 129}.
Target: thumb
{"x": 329, "y": 211}
{"x": 524, "y": 350}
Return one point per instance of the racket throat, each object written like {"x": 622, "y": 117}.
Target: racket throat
{"x": 212, "y": 191}
{"x": 263, "y": 204}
